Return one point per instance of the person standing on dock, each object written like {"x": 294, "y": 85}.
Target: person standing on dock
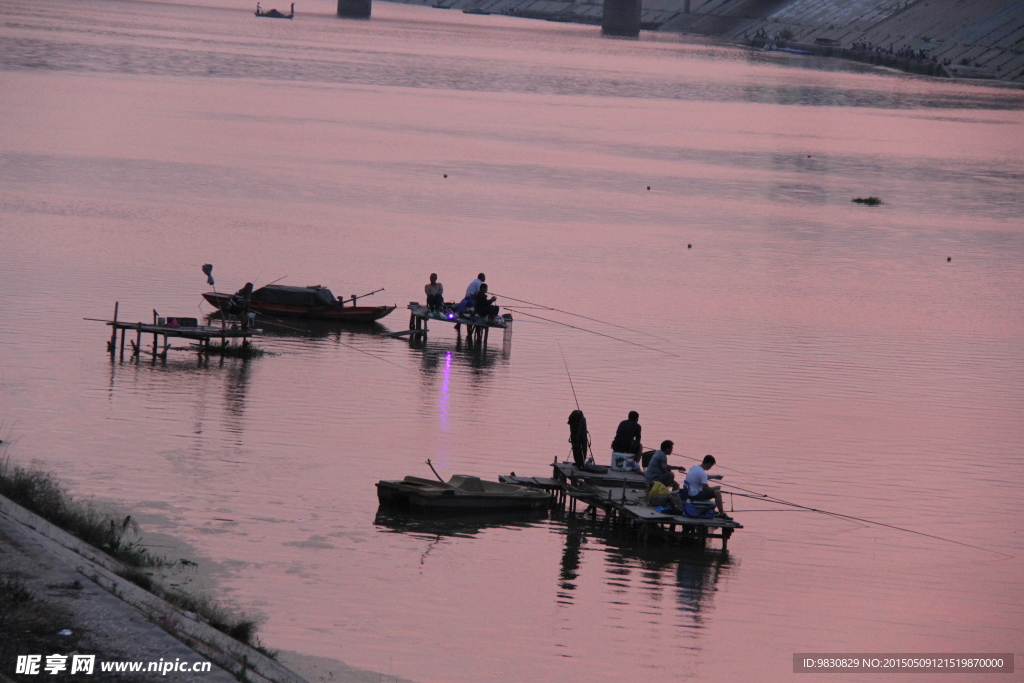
{"x": 659, "y": 470}
{"x": 627, "y": 443}
{"x": 435, "y": 294}
{"x": 697, "y": 485}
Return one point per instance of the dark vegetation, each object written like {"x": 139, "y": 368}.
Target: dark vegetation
{"x": 41, "y": 493}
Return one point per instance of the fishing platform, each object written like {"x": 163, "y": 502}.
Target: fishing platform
{"x": 620, "y": 497}
{"x": 174, "y": 327}
{"x": 477, "y": 328}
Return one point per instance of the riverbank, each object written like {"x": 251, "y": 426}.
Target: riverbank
{"x": 983, "y": 39}
{"x": 62, "y": 599}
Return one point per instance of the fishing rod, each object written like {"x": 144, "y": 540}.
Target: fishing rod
{"x": 577, "y": 315}
{"x": 569, "y": 376}
{"x": 600, "y": 334}
{"x": 590, "y": 445}
{"x": 354, "y": 348}
{"x": 772, "y": 499}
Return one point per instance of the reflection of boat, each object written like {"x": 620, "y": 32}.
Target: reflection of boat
{"x": 273, "y": 13}
{"x": 461, "y": 492}
{"x": 452, "y": 523}
{"x": 315, "y": 302}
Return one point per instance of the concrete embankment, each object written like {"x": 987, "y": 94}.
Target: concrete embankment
{"x": 75, "y": 601}
{"x": 978, "y": 38}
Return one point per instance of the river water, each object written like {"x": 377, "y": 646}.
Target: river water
{"x": 863, "y": 360}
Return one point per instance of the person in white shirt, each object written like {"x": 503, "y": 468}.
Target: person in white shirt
{"x": 697, "y": 485}
{"x": 471, "y": 291}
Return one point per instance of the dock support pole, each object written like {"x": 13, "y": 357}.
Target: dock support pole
{"x": 621, "y": 18}
{"x": 123, "y": 332}
{"x": 113, "y": 329}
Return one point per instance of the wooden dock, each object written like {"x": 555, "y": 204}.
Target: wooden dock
{"x": 620, "y": 498}
{"x": 169, "y": 328}
{"x": 477, "y": 329}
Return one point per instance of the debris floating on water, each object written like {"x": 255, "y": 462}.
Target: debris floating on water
{"x": 948, "y": 259}
{"x": 689, "y": 246}
{"x": 869, "y": 201}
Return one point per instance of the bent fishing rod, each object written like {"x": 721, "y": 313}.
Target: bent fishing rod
{"x": 778, "y": 501}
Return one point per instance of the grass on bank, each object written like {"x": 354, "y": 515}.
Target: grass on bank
{"x": 41, "y": 493}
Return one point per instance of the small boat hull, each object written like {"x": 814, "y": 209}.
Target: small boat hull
{"x": 337, "y": 313}
{"x": 461, "y": 493}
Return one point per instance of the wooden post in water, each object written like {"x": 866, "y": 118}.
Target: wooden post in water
{"x": 123, "y": 332}
{"x": 113, "y": 329}
{"x": 621, "y": 18}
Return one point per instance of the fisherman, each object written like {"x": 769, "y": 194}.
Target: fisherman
{"x": 471, "y": 291}
{"x": 626, "y": 446}
{"x": 435, "y": 294}
{"x": 697, "y": 485}
{"x": 659, "y": 469}
{"x": 483, "y": 305}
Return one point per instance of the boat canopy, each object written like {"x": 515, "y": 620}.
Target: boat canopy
{"x": 294, "y": 296}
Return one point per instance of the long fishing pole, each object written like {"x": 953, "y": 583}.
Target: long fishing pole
{"x": 772, "y": 499}
{"x": 600, "y": 334}
{"x": 577, "y": 315}
{"x": 354, "y": 348}
{"x": 569, "y": 376}
{"x": 590, "y": 446}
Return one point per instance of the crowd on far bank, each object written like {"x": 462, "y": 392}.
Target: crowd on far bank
{"x": 905, "y": 52}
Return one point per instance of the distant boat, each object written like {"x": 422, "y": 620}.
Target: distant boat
{"x": 461, "y": 492}
{"x": 315, "y": 303}
{"x": 273, "y": 13}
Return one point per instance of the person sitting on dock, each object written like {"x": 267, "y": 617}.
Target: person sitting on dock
{"x": 659, "y": 469}
{"x": 471, "y": 292}
{"x": 697, "y": 488}
{"x": 435, "y": 294}
{"x": 626, "y": 446}
{"x": 483, "y": 304}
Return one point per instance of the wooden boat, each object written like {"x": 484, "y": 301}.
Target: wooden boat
{"x": 273, "y": 13}
{"x": 316, "y": 303}
{"x": 461, "y": 492}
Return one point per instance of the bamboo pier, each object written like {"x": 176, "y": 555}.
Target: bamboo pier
{"x": 620, "y": 498}
{"x": 170, "y": 328}
{"x": 477, "y": 329}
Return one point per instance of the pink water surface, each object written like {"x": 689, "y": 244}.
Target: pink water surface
{"x": 827, "y": 353}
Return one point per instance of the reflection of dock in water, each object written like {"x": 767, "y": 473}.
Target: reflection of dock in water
{"x": 630, "y": 564}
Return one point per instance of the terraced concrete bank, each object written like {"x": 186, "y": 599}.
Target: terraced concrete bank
{"x": 974, "y": 38}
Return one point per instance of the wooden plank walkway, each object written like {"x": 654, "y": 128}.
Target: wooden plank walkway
{"x": 168, "y": 328}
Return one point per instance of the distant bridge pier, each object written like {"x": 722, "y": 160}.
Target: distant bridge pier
{"x": 355, "y": 9}
{"x": 620, "y": 18}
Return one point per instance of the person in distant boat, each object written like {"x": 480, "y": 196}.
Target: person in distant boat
{"x": 471, "y": 291}
{"x": 626, "y": 444}
{"x": 484, "y": 305}
{"x": 435, "y": 294}
{"x": 659, "y": 469}
{"x": 697, "y": 485}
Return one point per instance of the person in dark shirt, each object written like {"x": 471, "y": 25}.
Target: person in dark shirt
{"x": 627, "y": 436}
{"x": 484, "y": 305}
